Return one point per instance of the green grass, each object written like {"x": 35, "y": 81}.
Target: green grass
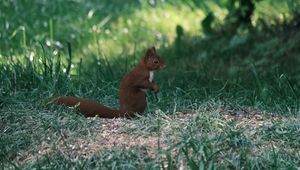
{"x": 227, "y": 101}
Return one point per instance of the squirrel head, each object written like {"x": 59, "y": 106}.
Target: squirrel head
{"x": 153, "y": 61}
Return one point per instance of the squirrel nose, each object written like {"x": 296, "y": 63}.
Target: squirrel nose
{"x": 163, "y": 66}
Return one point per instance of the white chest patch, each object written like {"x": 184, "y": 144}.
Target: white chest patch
{"x": 151, "y": 76}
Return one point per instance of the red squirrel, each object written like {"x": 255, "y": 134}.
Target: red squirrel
{"x": 132, "y": 96}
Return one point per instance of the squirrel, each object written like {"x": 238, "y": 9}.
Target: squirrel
{"x": 132, "y": 96}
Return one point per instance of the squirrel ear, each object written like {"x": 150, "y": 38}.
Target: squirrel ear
{"x": 153, "y": 49}
{"x": 151, "y": 52}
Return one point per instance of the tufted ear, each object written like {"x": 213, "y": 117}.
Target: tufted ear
{"x": 150, "y": 52}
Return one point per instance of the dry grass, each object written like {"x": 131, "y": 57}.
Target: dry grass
{"x": 114, "y": 133}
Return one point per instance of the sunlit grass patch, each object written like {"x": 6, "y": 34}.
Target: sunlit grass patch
{"x": 143, "y": 28}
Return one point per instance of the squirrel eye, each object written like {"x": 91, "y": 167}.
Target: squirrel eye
{"x": 155, "y": 61}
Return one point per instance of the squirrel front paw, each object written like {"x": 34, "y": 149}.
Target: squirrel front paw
{"x": 155, "y": 89}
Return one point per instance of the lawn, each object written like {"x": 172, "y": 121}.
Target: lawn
{"x": 228, "y": 100}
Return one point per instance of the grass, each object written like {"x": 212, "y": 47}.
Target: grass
{"x": 227, "y": 101}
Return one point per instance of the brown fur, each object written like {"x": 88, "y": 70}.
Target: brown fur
{"x": 132, "y": 98}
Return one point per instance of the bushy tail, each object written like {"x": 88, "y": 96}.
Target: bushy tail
{"x": 90, "y": 108}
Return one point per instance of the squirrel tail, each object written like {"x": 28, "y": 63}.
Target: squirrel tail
{"x": 90, "y": 108}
